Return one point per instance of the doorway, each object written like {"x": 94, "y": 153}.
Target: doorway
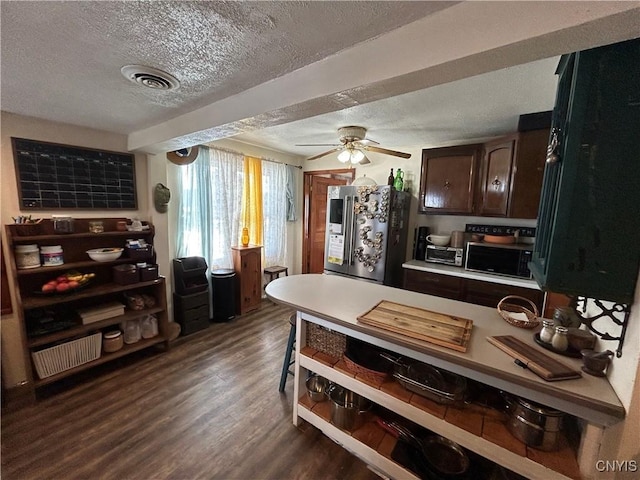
{"x": 316, "y": 184}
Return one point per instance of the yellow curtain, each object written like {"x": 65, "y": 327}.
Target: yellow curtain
{"x": 252, "y": 199}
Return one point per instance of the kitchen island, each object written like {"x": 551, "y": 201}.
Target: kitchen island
{"x": 335, "y": 303}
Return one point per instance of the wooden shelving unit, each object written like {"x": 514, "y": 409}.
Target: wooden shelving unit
{"x": 479, "y": 429}
{"x": 101, "y": 289}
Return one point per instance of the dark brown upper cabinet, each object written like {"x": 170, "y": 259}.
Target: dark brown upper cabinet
{"x": 448, "y": 179}
{"x": 502, "y": 178}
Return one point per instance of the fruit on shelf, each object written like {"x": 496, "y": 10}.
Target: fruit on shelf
{"x": 69, "y": 281}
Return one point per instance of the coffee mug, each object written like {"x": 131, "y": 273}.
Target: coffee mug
{"x": 457, "y": 239}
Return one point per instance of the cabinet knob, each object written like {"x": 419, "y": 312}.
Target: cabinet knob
{"x": 447, "y": 185}
{"x": 496, "y": 183}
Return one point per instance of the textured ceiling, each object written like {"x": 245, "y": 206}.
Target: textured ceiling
{"x": 277, "y": 73}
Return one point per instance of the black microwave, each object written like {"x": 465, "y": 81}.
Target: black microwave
{"x": 510, "y": 260}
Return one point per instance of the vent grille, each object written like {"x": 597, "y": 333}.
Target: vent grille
{"x": 150, "y": 77}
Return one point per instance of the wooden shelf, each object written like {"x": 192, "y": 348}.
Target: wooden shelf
{"x": 106, "y": 357}
{"x": 102, "y": 289}
{"x": 76, "y": 236}
{"x": 369, "y": 442}
{"x": 90, "y": 292}
{"x": 478, "y": 429}
{"x": 81, "y": 329}
{"x": 78, "y": 265}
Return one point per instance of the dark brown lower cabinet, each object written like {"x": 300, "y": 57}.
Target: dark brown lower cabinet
{"x": 467, "y": 290}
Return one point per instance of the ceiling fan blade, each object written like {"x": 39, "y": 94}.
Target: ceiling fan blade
{"x": 318, "y": 144}
{"x": 368, "y": 140}
{"x": 385, "y": 151}
{"x": 364, "y": 161}
{"x": 323, "y": 154}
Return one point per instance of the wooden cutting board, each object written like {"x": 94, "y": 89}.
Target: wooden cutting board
{"x": 444, "y": 330}
{"x": 538, "y": 362}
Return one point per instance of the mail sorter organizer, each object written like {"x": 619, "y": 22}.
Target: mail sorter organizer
{"x": 192, "y": 311}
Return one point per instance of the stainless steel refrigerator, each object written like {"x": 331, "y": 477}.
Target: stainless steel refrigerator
{"x": 366, "y": 234}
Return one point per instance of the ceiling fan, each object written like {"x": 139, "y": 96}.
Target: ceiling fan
{"x": 352, "y": 146}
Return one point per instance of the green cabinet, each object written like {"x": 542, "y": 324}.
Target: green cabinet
{"x": 588, "y": 234}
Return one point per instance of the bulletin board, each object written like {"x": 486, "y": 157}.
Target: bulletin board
{"x": 54, "y": 176}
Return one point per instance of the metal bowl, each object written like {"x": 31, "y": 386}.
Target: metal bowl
{"x": 317, "y": 388}
{"x": 445, "y": 456}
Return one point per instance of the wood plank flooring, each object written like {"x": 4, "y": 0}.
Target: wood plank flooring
{"x": 207, "y": 409}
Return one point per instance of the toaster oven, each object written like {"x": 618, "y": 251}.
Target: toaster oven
{"x": 446, "y": 255}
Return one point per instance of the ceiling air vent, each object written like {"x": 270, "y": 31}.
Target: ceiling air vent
{"x": 150, "y": 77}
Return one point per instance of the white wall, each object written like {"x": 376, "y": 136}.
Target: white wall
{"x": 13, "y": 367}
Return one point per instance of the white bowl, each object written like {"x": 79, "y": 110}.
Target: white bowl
{"x": 439, "y": 240}
{"x": 105, "y": 254}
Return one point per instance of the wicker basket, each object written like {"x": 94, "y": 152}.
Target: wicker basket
{"x": 65, "y": 356}
{"x": 325, "y": 340}
{"x": 507, "y": 309}
{"x": 368, "y": 374}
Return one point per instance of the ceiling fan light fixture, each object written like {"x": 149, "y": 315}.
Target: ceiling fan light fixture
{"x": 344, "y": 156}
{"x": 356, "y": 156}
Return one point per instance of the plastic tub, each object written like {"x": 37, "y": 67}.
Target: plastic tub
{"x": 51, "y": 256}
{"x": 27, "y": 256}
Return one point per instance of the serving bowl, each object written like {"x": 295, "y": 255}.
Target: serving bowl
{"x": 105, "y": 254}
{"x": 439, "y": 240}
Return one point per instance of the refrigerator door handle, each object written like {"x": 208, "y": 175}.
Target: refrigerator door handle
{"x": 348, "y": 227}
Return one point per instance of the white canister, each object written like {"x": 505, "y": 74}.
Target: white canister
{"x": 51, "y": 256}
{"x": 27, "y": 256}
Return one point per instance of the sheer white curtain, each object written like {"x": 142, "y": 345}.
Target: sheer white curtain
{"x": 210, "y": 203}
{"x": 274, "y": 210}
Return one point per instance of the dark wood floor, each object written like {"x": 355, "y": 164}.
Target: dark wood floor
{"x": 209, "y": 408}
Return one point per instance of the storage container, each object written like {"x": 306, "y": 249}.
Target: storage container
{"x": 125, "y": 274}
{"x": 51, "y": 256}
{"x": 65, "y": 356}
{"x": 141, "y": 253}
{"x": 96, "y": 227}
{"x": 112, "y": 341}
{"x": 27, "y": 256}
{"x": 62, "y": 224}
{"x": 149, "y": 326}
{"x": 148, "y": 273}
{"x": 132, "y": 332}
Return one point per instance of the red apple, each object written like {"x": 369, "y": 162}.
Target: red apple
{"x": 73, "y": 284}
{"x": 62, "y": 278}
{"x": 62, "y": 287}
{"x": 47, "y": 288}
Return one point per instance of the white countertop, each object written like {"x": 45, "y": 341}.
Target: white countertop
{"x": 461, "y": 272}
{"x": 340, "y": 300}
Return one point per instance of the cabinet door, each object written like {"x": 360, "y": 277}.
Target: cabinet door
{"x": 433, "y": 284}
{"x": 489, "y": 294}
{"x": 527, "y": 172}
{"x": 448, "y": 178}
{"x": 496, "y": 178}
{"x": 589, "y": 221}
{"x": 248, "y": 266}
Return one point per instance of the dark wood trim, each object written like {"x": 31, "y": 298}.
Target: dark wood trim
{"x": 348, "y": 173}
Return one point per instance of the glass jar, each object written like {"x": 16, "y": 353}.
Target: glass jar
{"x": 96, "y": 227}
{"x": 548, "y": 330}
{"x": 560, "y": 341}
{"x": 62, "y": 224}
{"x": 112, "y": 341}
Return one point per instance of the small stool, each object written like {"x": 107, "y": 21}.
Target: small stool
{"x": 286, "y": 366}
{"x": 275, "y": 271}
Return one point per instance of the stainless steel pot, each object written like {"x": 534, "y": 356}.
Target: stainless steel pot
{"x": 538, "y": 427}
{"x": 348, "y": 409}
{"x": 317, "y": 387}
